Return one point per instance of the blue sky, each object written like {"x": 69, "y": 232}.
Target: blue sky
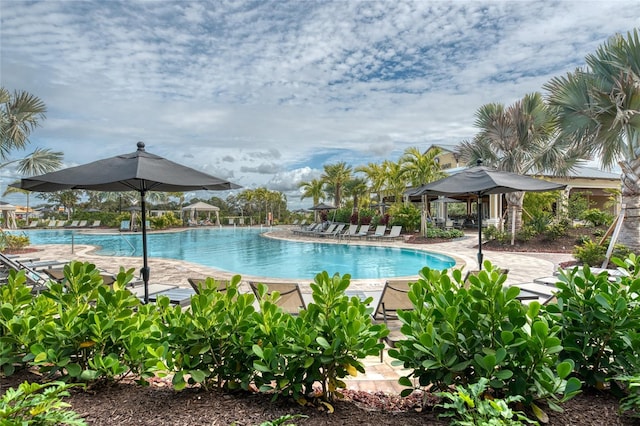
{"x": 265, "y": 92}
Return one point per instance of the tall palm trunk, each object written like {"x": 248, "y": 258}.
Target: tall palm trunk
{"x": 630, "y": 232}
{"x": 514, "y": 210}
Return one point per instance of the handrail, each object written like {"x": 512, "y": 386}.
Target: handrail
{"x": 133, "y": 249}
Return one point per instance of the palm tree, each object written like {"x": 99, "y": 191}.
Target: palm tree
{"x": 20, "y": 113}
{"x": 313, "y": 189}
{"x": 336, "y": 175}
{"x": 521, "y": 138}
{"x": 395, "y": 182}
{"x": 599, "y": 110}
{"x": 376, "y": 175}
{"x": 420, "y": 168}
{"x": 355, "y": 188}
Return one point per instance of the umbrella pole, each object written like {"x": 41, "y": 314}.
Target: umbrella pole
{"x": 479, "y": 233}
{"x": 145, "y": 264}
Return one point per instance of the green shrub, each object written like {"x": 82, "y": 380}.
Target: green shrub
{"x": 165, "y": 221}
{"x": 408, "y": 216}
{"x": 599, "y": 321}
{"x": 583, "y": 239}
{"x": 526, "y": 234}
{"x": 489, "y": 232}
{"x": 36, "y": 404}
{"x": 210, "y": 344}
{"x": 323, "y": 344}
{"x": 457, "y": 335}
{"x": 342, "y": 215}
{"x": 597, "y": 217}
{"x": 448, "y": 234}
{"x": 556, "y": 231}
{"x": 471, "y": 407}
{"x": 13, "y": 242}
{"x": 102, "y": 332}
{"x": 590, "y": 253}
{"x": 630, "y": 403}
{"x": 540, "y": 222}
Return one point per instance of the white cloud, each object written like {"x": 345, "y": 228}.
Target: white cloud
{"x": 265, "y": 92}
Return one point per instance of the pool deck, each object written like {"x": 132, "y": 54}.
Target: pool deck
{"x": 380, "y": 376}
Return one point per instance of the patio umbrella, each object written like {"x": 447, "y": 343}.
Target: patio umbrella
{"x": 322, "y": 206}
{"x": 480, "y": 181}
{"x": 138, "y": 171}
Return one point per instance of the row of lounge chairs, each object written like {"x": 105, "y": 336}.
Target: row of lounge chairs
{"x": 340, "y": 230}
{"x": 64, "y": 224}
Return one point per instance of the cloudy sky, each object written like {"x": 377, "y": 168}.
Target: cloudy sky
{"x": 265, "y": 92}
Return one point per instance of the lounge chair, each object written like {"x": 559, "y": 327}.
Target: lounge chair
{"x": 328, "y": 231}
{"x": 73, "y": 224}
{"x": 60, "y": 223}
{"x": 351, "y": 231}
{"x": 52, "y": 224}
{"x": 125, "y": 225}
{"x": 95, "y": 224}
{"x": 336, "y": 232}
{"x": 82, "y": 224}
{"x": 33, "y": 224}
{"x": 309, "y": 229}
{"x": 379, "y": 232}
{"x": 364, "y": 231}
{"x": 290, "y": 299}
{"x": 36, "y": 279}
{"x": 394, "y": 297}
{"x": 394, "y": 233}
{"x": 199, "y": 283}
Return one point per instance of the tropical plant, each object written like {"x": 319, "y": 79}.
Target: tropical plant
{"x": 335, "y": 176}
{"x": 522, "y": 139}
{"x": 420, "y": 168}
{"x": 395, "y": 183}
{"x": 356, "y": 188}
{"x": 598, "y": 321}
{"x": 460, "y": 332}
{"x": 39, "y": 405}
{"x": 472, "y": 406}
{"x": 630, "y": 403}
{"x": 406, "y": 215}
{"x": 376, "y": 178}
{"x": 20, "y": 113}
{"x": 598, "y": 110}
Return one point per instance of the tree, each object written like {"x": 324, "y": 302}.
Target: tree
{"x": 420, "y": 168}
{"x": 376, "y": 176}
{"x": 395, "y": 183}
{"x": 522, "y": 139}
{"x": 20, "y": 113}
{"x": 313, "y": 189}
{"x": 355, "y": 188}
{"x": 599, "y": 110}
{"x": 68, "y": 199}
{"x": 335, "y": 175}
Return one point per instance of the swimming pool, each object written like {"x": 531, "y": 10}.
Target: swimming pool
{"x": 245, "y": 252}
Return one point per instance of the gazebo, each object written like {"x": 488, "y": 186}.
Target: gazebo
{"x": 8, "y": 215}
{"x": 193, "y": 209}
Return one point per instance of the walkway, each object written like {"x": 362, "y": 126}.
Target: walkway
{"x": 380, "y": 376}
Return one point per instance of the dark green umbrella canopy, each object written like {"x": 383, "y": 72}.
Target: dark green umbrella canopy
{"x": 139, "y": 171}
{"x": 481, "y": 181}
{"x": 322, "y": 206}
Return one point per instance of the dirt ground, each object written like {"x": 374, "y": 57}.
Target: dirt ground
{"x": 158, "y": 404}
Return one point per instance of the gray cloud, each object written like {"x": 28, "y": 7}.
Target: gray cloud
{"x": 256, "y": 92}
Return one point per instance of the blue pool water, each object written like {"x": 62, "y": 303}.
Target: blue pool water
{"x": 245, "y": 252}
